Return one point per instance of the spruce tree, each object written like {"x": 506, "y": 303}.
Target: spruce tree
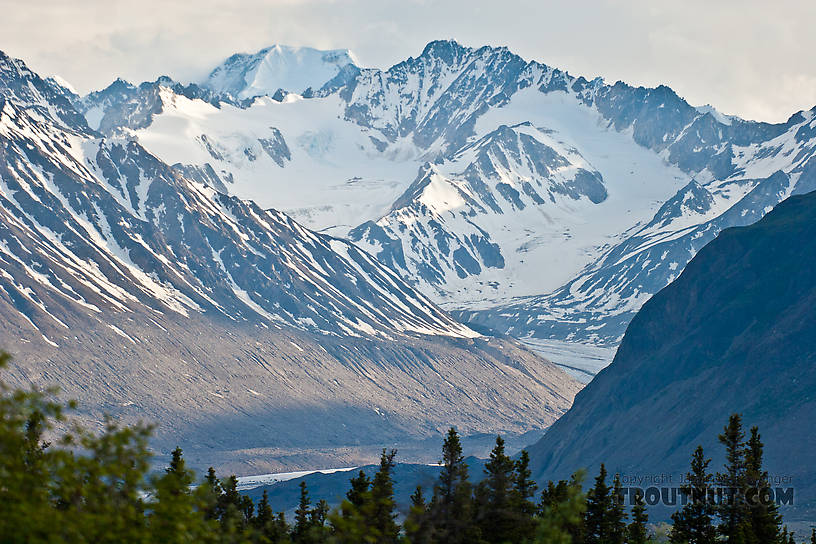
{"x": 599, "y": 504}
{"x": 380, "y": 515}
{"x": 265, "y": 516}
{"x": 231, "y": 510}
{"x": 417, "y": 526}
{"x": 693, "y": 524}
{"x": 732, "y": 511}
{"x": 349, "y": 525}
{"x": 452, "y": 504}
{"x": 617, "y": 514}
{"x": 301, "y": 532}
{"x": 524, "y": 491}
{"x": 274, "y": 529}
{"x": 636, "y": 532}
{"x": 211, "y": 491}
{"x": 553, "y": 495}
{"x": 786, "y": 537}
{"x": 25, "y": 478}
{"x": 498, "y": 518}
{"x": 358, "y": 493}
{"x": 104, "y": 489}
{"x": 562, "y": 511}
{"x": 763, "y": 521}
{"x": 318, "y": 532}
{"x": 175, "y": 517}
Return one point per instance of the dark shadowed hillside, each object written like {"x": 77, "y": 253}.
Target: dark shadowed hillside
{"x": 736, "y": 332}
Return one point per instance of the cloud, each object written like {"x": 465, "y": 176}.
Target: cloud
{"x": 748, "y": 57}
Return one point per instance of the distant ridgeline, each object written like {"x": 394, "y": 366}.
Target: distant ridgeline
{"x": 530, "y": 201}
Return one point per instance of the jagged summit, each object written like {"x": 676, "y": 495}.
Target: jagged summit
{"x": 146, "y": 295}
{"x": 556, "y": 204}
{"x": 448, "y": 50}
{"x": 293, "y": 69}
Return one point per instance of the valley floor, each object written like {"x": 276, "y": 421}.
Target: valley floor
{"x": 281, "y": 463}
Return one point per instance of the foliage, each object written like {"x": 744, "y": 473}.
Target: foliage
{"x": 97, "y": 487}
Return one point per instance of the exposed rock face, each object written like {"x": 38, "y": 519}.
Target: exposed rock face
{"x": 146, "y": 294}
{"x": 527, "y": 200}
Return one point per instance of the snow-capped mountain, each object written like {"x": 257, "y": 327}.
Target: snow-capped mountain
{"x": 280, "y": 68}
{"x": 508, "y": 191}
{"x": 175, "y": 245}
{"x": 599, "y": 303}
{"x": 146, "y": 294}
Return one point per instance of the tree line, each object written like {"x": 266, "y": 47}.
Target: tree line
{"x": 98, "y": 488}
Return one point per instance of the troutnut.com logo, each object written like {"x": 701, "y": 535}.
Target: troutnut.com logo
{"x": 666, "y": 490}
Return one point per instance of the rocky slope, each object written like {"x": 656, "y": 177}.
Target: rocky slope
{"x": 735, "y": 332}
{"x": 146, "y": 294}
{"x": 527, "y": 200}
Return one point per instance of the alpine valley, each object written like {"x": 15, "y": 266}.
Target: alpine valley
{"x": 251, "y": 341}
{"x": 522, "y": 199}
{"x": 298, "y": 257}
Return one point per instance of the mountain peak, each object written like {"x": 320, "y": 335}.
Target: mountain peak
{"x": 441, "y": 48}
{"x": 293, "y": 69}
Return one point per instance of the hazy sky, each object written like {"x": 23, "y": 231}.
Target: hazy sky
{"x": 754, "y": 58}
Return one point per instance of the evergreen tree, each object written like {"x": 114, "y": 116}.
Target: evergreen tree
{"x": 732, "y": 511}
{"x": 763, "y": 520}
{"x": 318, "y": 531}
{"x": 301, "y": 532}
{"x": 265, "y": 515}
{"x": 176, "y": 514}
{"x": 348, "y": 524}
{"x": 561, "y": 514}
{"x": 417, "y": 526}
{"x": 497, "y": 517}
{"x": 279, "y": 531}
{"x": 693, "y": 524}
{"x": 636, "y": 532}
{"x": 786, "y": 537}
{"x": 231, "y": 511}
{"x": 599, "y": 505}
{"x": 211, "y": 492}
{"x": 25, "y": 479}
{"x": 358, "y": 493}
{"x": 553, "y": 495}
{"x": 269, "y": 527}
{"x": 452, "y": 504}
{"x": 380, "y": 515}
{"x": 101, "y": 486}
{"x": 617, "y": 514}
{"x": 524, "y": 490}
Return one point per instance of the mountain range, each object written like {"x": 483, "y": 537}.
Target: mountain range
{"x": 147, "y": 295}
{"x": 299, "y": 257}
{"x": 523, "y": 199}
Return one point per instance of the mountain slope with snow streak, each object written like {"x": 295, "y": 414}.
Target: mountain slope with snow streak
{"x": 599, "y": 303}
{"x": 147, "y": 295}
{"x": 491, "y": 182}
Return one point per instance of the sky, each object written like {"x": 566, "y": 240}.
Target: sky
{"x": 749, "y": 58}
